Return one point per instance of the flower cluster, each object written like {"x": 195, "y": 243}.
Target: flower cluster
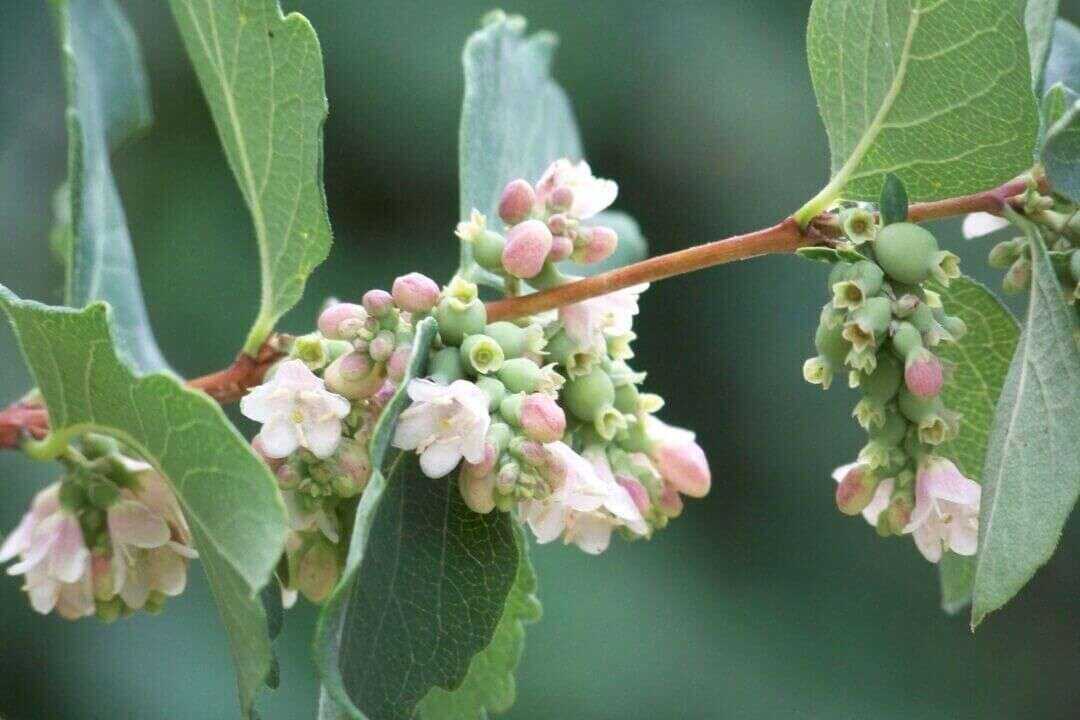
{"x": 108, "y": 539}
{"x": 545, "y": 224}
{"x": 881, "y": 325}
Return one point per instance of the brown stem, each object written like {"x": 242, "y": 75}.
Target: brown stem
{"x": 782, "y": 237}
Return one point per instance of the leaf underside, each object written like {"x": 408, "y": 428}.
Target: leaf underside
{"x": 263, "y": 78}
{"x": 228, "y": 496}
{"x": 936, "y": 91}
{"x": 108, "y": 104}
{"x": 981, "y": 361}
{"x": 1031, "y": 478}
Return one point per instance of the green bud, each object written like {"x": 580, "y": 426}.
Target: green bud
{"x": 626, "y": 398}
{"x": 1018, "y": 277}
{"x": 336, "y": 348}
{"x": 906, "y": 339}
{"x": 634, "y": 438}
{"x": 586, "y": 395}
{"x": 494, "y": 389}
{"x": 488, "y": 249}
{"x": 103, "y": 494}
{"x": 831, "y": 344}
{"x": 445, "y": 366}
{"x": 955, "y": 326}
{"x": 481, "y": 354}
{"x": 521, "y": 375}
{"x": 884, "y": 381}
{"x": 500, "y": 434}
{"x": 457, "y": 319}
{"x": 892, "y": 430}
{"x": 311, "y": 350}
{"x": 510, "y": 408}
{"x": 907, "y": 252}
{"x": 831, "y": 317}
{"x": 869, "y": 412}
{"x": 881, "y": 456}
{"x": 96, "y": 446}
{"x": 155, "y": 602}
{"x": 1005, "y": 253}
{"x": 568, "y": 353}
{"x": 934, "y": 423}
{"x": 510, "y": 337}
{"x": 72, "y": 496}
{"x": 108, "y": 611}
{"x": 840, "y": 271}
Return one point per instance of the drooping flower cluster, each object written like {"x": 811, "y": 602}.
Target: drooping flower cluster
{"x": 881, "y": 325}
{"x": 108, "y": 539}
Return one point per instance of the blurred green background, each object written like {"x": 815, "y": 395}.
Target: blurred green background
{"x": 762, "y": 601}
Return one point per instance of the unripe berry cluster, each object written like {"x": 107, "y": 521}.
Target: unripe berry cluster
{"x": 882, "y": 325}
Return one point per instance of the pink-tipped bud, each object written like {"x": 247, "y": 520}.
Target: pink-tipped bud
{"x": 542, "y": 419}
{"x": 383, "y": 395}
{"x": 600, "y": 244}
{"x": 381, "y": 346}
{"x": 856, "y": 490}
{"x": 561, "y": 198}
{"x": 355, "y": 464}
{"x": 558, "y": 224}
{"x": 898, "y": 514}
{"x": 923, "y": 373}
{"x": 378, "y": 302}
{"x": 516, "y": 202}
{"x": 478, "y": 488}
{"x": 670, "y": 503}
{"x": 532, "y": 453}
{"x": 637, "y": 492}
{"x": 288, "y": 477}
{"x": 354, "y": 376}
{"x": 527, "y": 246}
{"x": 398, "y": 362}
{"x": 101, "y": 577}
{"x": 342, "y": 321}
{"x": 562, "y": 247}
{"x": 486, "y": 466}
{"x": 683, "y": 465}
{"x": 415, "y": 293}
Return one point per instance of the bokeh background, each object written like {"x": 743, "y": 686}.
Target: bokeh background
{"x": 762, "y": 601}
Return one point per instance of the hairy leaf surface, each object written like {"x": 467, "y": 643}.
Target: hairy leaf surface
{"x": 936, "y": 91}
{"x": 1031, "y": 478}
{"x": 227, "y": 494}
{"x": 263, "y": 78}
{"x": 981, "y": 361}
{"x": 108, "y": 104}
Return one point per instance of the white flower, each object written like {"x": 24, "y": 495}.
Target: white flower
{"x": 979, "y": 224}
{"x": 946, "y": 515}
{"x": 296, "y": 410}
{"x": 151, "y": 541}
{"x": 590, "y": 322}
{"x": 882, "y": 494}
{"x": 591, "y": 194}
{"x": 53, "y": 557}
{"x": 444, "y": 424}
{"x": 585, "y": 506}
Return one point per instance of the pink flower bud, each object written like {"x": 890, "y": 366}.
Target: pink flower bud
{"x": 516, "y": 202}
{"x": 355, "y": 465}
{"x": 600, "y": 244}
{"x": 378, "y": 302}
{"x": 923, "y": 373}
{"x": 478, "y": 491}
{"x": 856, "y": 490}
{"x": 383, "y": 395}
{"x": 342, "y": 321}
{"x": 485, "y": 466}
{"x": 562, "y": 247}
{"x": 637, "y": 492}
{"x": 561, "y": 198}
{"x": 670, "y": 502}
{"x": 398, "y": 362}
{"x": 558, "y": 224}
{"x": 527, "y": 246}
{"x": 288, "y": 477}
{"x": 415, "y": 293}
{"x": 101, "y": 575}
{"x": 542, "y": 419}
{"x": 354, "y": 376}
{"x": 683, "y": 465}
{"x": 381, "y": 346}
{"x": 533, "y": 453}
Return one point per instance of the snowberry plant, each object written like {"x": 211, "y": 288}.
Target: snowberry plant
{"x": 419, "y": 437}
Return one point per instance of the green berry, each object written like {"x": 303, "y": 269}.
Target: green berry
{"x": 587, "y": 395}
{"x": 446, "y": 366}
{"x": 882, "y": 384}
{"x": 488, "y": 249}
{"x": 459, "y": 319}
{"x": 494, "y": 389}
{"x": 906, "y": 252}
{"x": 481, "y": 354}
{"x": 521, "y": 375}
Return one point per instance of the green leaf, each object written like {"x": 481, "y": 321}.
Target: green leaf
{"x": 1039, "y": 16}
{"x": 1032, "y": 475}
{"x": 981, "y": 361}
{"x": 108, "y": 104}
{"x": 227, "y": 494}
{"x": 515, "y": 120}
{"x": 1061, "y": 149}
{"x": 936, "y": 91}
{"x": 632, "y": 245}
{"x": 262, "y": 75}
{"x": 894, "y": 201}
{"x": 1063, "y": 63}
{"x": 426, "y": 582}
{"x": 489, "y": 685}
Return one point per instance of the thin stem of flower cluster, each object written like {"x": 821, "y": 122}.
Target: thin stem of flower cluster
{"x": 27, "y": 420}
